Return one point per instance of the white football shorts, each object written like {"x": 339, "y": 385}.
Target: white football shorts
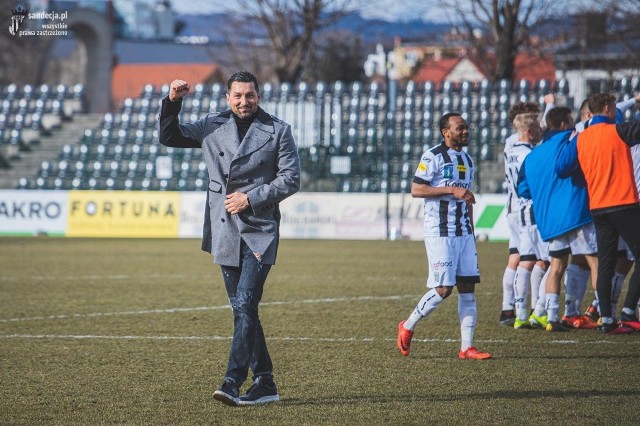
{"x": 531, "y": 246}
{"x": 578, "y": 241}
{"x": 513, "y": 219}
{"x": 452, "y": 260}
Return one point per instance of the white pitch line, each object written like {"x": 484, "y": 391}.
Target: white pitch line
{"x": 205, "y": 308}
{"x": 293, "y": 339}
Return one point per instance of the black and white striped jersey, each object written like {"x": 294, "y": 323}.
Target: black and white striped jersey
{"x": 441, "y": 166}
{"x": 513, "y": 158}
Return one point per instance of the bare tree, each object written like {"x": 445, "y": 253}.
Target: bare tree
{"x": 340, "y": 56}
{"x": 285, "y": 33}
{"x": 508, "y": 23}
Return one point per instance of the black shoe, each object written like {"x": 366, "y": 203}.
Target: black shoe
{"x": 262, "y": 390}
{"x": 615, "y": 328}
{"x": 556, "y": 326}
{"x": 624, "y": 317}
{"x": 227, "y": 393}
{"x": 507, "y": 317}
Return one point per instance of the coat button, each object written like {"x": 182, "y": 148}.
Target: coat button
{"x": 221, "y": 154}
{"x": 226, "y": 175}
{"x": 222, "y": 220}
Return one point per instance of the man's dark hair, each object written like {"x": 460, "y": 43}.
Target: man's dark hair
{"x": 556, "y": 116}
{"x": 243, "y": 77}
{"x": 523, "y": 108}
{"x": 584, "y": 105}
{"x": 599, "y": 101}
{"x": 444, "y": 120}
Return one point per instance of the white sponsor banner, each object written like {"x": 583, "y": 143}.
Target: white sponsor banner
{"x": 33, "y": 212}
{"x": 192, "y": 214}
{"x": 364, "y": 216}
{"x": 304, "y": 215}
{"x": 354, "y": 216}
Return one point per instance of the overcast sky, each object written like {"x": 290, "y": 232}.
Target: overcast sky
{"x": 385, "y": 9}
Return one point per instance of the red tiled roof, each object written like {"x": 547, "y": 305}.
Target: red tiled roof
{"x": 528, "y": 67}
{"x": 435, "y": 70}
{"x": 533, "y": 68}
{"x": 128, "y": 80}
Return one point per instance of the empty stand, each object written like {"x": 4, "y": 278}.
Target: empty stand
{"x": 338, "y": 119}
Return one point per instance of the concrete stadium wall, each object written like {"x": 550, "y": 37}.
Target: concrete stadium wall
{"x": 148, "y": 214}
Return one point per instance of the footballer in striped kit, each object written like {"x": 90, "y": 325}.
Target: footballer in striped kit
{"x": 444, "y": 180}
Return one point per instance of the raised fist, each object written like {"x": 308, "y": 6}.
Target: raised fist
{"x": 178, "y": 89}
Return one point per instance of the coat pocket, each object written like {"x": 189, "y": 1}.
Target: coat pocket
{"x": 215, "y": 186}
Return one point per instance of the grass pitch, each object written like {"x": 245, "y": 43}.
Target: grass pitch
{"x": 138, "y": 331}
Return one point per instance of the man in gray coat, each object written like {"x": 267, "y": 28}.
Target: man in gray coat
{"x": 253, "y": 164}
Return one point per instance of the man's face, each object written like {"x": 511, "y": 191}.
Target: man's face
{"x": 243, "y": 99}
{"x": 457, "y": 135}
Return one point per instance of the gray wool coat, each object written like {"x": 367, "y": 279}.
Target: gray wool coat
{"x": 265, "y": 165}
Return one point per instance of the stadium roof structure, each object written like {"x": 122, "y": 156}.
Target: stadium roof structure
{"x": 613, "y": 54}
{"x": 147, "y": 52}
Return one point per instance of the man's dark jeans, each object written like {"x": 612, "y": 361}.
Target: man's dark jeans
{"x": 244, "y": 286}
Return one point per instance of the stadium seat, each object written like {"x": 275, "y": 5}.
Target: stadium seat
{"x": 503, "y": 86}
{"x": 562, "y": 86}
{"x": 484, "y": 103}
{"x": 24, "y": 183}
{"x": 428, "y": 88}
{"x": 542, "y": 87}
{"x": 485, "y": 88}
{"x": 467, "y": 88}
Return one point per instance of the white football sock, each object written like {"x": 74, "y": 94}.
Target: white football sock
{"x": 553, "y": 306}
{"x": 537, "y": 274}
{"x": 541, "y": 305}
{"x": 575, "y": 282}
{"x": 508, "y": 279}
{"x": 468, "y": 314}
{"x": 427, "y": 304}
{"x": 523, "y": 278}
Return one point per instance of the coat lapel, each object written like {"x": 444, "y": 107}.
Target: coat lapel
{"x": 259, "y": 133}
{"x": 228, "y": 134}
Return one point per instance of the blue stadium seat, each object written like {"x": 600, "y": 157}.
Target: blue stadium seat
{"x": 79, "y": 169}
{"x": 503, "y": 86}
{"x": 46, "y": 169}
{"x": 465, "y": 105}
{"x": 467, "y": 88}
{"x": 24, "y": 183}
{"x": 485, "y": 88}
{"x": 484, "y": 103}
{"x": 428, "y": 88}
{"x": 128, "y": 184}
{"x": 76, "y": 183}
{"x": 447, "y": 88}
{"x": 562, "y": 86}
{"x": 484, "y": 135}
{"x": 542, "y": 87}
